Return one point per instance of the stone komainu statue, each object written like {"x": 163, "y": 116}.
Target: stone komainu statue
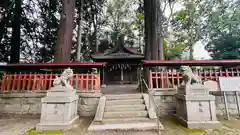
{"x": 64, "y": 79}
{"x": 189, "y": 77}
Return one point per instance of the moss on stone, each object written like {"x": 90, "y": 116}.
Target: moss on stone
{"x": 47, "y": 132}
{"x": 189, "y": 130}
{"x": 195, "y": 130}
{"x": 219, "y": 129}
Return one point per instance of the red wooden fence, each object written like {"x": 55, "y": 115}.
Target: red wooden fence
{"x": 171, "y": 79}
{"x": 36, "y": 82}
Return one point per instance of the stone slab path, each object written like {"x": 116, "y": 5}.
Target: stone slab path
{"x": 20, "y": 124}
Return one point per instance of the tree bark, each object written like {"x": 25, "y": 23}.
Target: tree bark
{"x": 65, "y": 32}
{"x": 79, "y": 39}
{"x": 147, "y": 31}
{"x": 15, "y": 39}
{"x": 154, "y": 23}
{"x": 95, "y": 32}
{"x": 154, "y": 35}
{"x": 191, "y": 50}
{"x": 159, "y": 27}
{"x": 153, "y": 30}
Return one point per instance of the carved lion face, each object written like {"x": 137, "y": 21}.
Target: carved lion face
{"x": 185, "y": 68}
{"x": 68, "y": 72}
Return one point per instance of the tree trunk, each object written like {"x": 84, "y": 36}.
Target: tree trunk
{"x": 191, "y": 50}
{"x": 94, "y": 35}
{"x": 95, "y": 32}
{"x": 79, "y": 38}
{"x": 154, "y": 35}
{"x": 147, "y": 32}
{"x": 159, "y": 27}
{"x": 65, "y": 32}
{"x": 147, "y": 24}
{"x": 15, "y": 40}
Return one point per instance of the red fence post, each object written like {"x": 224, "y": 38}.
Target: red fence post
{"x": 3, "y": 82}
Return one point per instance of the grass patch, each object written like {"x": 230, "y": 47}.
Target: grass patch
{"x": 47, "y": 132}
{"x": 188, "y": 130}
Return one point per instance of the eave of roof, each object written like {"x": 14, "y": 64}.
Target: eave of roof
{"x": 128, "y": 56}
{"x": 190, "y": 62}
{"x": 53, "y": 65}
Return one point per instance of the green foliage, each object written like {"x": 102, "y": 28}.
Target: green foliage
{"x": 181, "y": 15}
{"x": 187, "y": 24}
{"x": 224, "y": 47}
{"x": 215, "y": 23}
{"x": 39, "y": 25}
{"x": 120, "y": 16}
{"x": 140, "y": 16}
{"x": 173, "y": 51}
{"x": 223, "y": 31}
{"x": 212, "y": 21}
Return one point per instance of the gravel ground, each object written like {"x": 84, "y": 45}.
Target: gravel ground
{"x": 20, "y": 124}
{"x": 16, "y": 124}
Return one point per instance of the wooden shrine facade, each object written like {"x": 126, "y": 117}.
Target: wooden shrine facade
{"x": 121, "y": 64}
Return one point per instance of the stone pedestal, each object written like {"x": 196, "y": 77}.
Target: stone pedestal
{"x": 195, "y": 107}
{"x": 59, "y": 109}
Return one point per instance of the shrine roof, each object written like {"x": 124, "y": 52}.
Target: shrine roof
{"x": 120, "y": 51}
{"x": 118, "y": 55}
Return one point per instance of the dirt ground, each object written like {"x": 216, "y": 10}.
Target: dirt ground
{"x": 20, "y": 124}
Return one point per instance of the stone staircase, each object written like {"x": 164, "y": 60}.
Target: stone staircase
{"x": 125, "y": 112}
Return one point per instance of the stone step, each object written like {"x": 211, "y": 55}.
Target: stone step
{"x": 124, "y": 102}
{"x": 125, "y": 114}
{"x": 133, "y": 125}
{"x": 124, "y": 96}
{"x": 140, "y": 107}
{"x": 127, "y": 120}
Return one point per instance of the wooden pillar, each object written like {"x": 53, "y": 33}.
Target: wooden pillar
{"x": 131, "y": 75}
{"x": 121, "y": 75}
{"x": 103, "y": 77}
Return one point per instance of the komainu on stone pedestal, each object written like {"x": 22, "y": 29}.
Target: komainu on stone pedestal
{"x": 195, "y": 107}
{"x": 59, "y": 107}
{"x": 189, "y": 77}
{"x": 64, "y": 79}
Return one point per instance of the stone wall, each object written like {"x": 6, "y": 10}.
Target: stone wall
{"x": 167, "y": 104}
{"x": 165, "y": 101}
{"x": 30, "y": 103}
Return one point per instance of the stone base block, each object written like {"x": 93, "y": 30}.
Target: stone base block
{"x": 57, "y": 126}
{"x": 197, "y": 124}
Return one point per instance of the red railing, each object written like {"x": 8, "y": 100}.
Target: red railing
{"x": 171, "y": 79}
{"x": 38, "y": 82}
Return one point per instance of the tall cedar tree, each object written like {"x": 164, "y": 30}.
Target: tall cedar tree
{"x": 15, "y": 41}
{"x": 65, "y": 32}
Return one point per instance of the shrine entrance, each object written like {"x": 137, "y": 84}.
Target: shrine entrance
{"x": 122, "y": 64}
{"x": 121, "y": 74}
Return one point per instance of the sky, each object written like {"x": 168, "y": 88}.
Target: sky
{"x": 200, "y": 52}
